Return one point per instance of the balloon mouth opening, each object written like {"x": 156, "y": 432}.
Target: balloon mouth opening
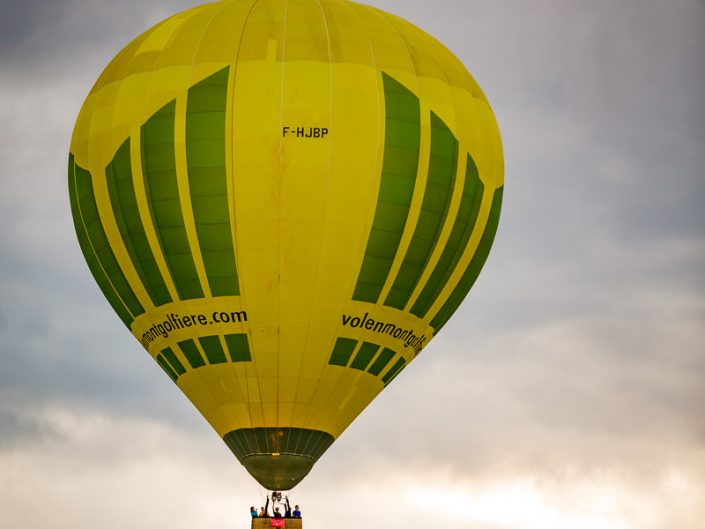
{"x": 278, "y": 471}
{"x": 278, "y": 458}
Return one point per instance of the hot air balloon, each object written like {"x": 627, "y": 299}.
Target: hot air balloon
{"x": 284, "y": 201}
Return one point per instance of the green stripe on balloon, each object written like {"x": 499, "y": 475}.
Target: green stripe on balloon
{"x": 460, "y": 235}
{"x": 342, "y": 351}
{"x": 89, "y": 254}
{"x": 124, "y": 203}
{"x": 381, "y": 362}
{"x": 205, "y": 158}
{"x": 167, "y": 368}
{"x": 238, "y": 347}
{"x": 159, "y": 169}
{"x": 191, "y": 352}
{"x": 473, "y": 270}
{"x": 213, "y": 348}
{"x": 434, "y": 210}
{"x": 364, "y": 356}
{"x": 393, "y": 371}
{"x": 100, "y": 244}
{"x": 399, "y": 167}
{"x": 173, "y": 360}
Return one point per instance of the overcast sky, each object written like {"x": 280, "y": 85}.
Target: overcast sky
{"x": 566, "y": 393}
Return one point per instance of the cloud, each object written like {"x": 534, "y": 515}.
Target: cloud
{"x": 54, "y": 36}
{"x": 18, "y": 429}
{"x": 143, "y": 473}
{"x": 100, "y": 471}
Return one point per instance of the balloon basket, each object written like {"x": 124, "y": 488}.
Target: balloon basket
{"x": 269, "y": 523}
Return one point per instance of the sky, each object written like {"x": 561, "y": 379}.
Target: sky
{"x": 566, "y": 393}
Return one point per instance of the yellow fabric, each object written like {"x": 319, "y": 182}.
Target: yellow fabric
{"x": 301, "y": 209}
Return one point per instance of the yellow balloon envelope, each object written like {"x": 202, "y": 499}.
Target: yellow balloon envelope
{"x": 284, "y": 201}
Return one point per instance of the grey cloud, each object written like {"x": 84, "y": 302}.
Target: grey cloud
{"x": 25, "y": 18}
{"x": 53, "y": 35}
{"x": 66, "y": 354}
{"x": 21, "y": 430}
{"x": 525, "y": 411}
